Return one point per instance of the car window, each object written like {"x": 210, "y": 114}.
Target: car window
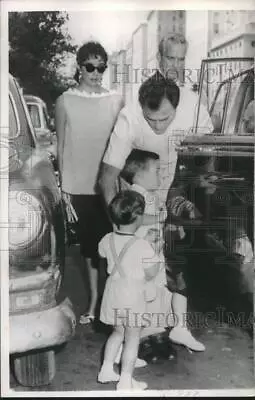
{"x": 223, "y": 91}
{"x": 35, "y": 115}
{"x": 14, "y": 123}
{"x": 245, "y": 124}
{"x": 46, "y": 121}
{"x": 25, "y": 138}
{"x": 218, "y": 107}
{"x": 240, "y": 110}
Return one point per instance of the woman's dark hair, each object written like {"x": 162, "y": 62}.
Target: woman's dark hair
{"x": 155, "y": 89}
{"x": 126, "y": 206}
{"x": 136, "y": 161}
{"x": 89, "y": 49}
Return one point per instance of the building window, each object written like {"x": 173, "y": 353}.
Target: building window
{"x": 215, "y": 28}
{"x": 173, "y": 28}
{"x": 181, "y": 14}
{"x": 253, "y": 43}
{"x": 174, "y": 17}
{"x": 240, "y": 44}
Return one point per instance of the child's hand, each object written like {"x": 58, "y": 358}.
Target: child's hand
{"x": 153, "y": 235}
{"x": 154, "y": 238}
{"x": 163, "y": 215}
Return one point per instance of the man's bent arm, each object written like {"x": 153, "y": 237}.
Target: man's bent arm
{"x": 108, "y": 181}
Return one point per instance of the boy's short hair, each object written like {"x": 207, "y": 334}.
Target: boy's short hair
{"x": 137, "y": 161}
{"x": 155, "y": 89}
{"x": 126, "y": 206}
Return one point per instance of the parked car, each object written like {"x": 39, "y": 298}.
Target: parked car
{"x": 43, "y": 124}
{"x": 44, "y": 127}
{"x": 39, "y": 321}
{"x": 216, "y": 171}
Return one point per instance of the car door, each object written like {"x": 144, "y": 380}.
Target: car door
{"x": 217, "y": 169}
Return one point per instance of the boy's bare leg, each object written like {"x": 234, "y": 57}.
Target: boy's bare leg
{"x": 180, "y": 333}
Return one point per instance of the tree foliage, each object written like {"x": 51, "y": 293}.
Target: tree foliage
{"x": 38, "y": 46}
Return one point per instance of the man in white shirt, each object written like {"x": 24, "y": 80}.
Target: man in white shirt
{"x": 157, "y": 128}
{"x": 154, "y": 130}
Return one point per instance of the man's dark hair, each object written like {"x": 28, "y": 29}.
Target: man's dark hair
{"x": 155, "y": 89}
{"x": 136, "y": 161}
{"x": 126, "y": 206}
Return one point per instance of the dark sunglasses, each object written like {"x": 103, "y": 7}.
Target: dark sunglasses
{"x": 91, "y": 68}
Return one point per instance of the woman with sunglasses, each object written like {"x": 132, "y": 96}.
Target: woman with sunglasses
{"x": 85, "y": 117}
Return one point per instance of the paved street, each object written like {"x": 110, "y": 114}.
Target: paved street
{"x": 227, "y": 362}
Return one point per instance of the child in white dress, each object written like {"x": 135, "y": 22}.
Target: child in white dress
{"x": 131, "y": 262}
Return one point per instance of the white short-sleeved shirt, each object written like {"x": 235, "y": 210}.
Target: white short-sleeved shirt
{"x": 137, "y": 258}
{"x": 132, "y": 131}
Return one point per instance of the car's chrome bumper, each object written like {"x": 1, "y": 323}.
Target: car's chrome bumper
{"x": 42, "y": 329}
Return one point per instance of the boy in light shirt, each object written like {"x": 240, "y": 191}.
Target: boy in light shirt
{"x": 141, "y": 171}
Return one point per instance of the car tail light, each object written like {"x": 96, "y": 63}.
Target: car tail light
{"x": 25, "y": 300}
{"x": 35, "y": 299}
{"x": 32, "y": 300}
{"x": 25, "y": 218}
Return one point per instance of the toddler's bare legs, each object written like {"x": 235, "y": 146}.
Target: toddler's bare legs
{"x": 129, "y": 356}
{"x": 113, "y": 344}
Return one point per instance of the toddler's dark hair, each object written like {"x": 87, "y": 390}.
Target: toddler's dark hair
{"x": 136, "y": 161}
{"x": 155, "y": 89}
{"x": 89, "y": 49}
{"x": 126, "y": 206}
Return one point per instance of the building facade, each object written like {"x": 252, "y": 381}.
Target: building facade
{"x": 139, "y": 58}
{"x": 129, "y": 63}
{"x": 231, "y": 34}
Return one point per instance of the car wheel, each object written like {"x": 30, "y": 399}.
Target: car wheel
{"x": 35, "y": 369}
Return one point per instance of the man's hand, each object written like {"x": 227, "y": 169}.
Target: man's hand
{"x": 179, "y": 206}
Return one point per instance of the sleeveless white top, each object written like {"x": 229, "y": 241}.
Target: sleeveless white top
{"x": 90, "y": 121}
